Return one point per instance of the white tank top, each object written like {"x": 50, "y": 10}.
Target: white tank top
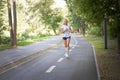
{"x": 66, "y": 33}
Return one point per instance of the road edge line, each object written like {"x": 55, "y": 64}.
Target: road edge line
{"x": 96, "y": 64}
{"x": 74, "y": 39}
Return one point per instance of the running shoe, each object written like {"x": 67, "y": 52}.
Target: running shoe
{"x": 66, "y": 55}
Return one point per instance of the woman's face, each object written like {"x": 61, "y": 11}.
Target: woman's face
{"x": 65, "y": 22}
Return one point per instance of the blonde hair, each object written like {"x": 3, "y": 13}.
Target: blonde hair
{"x": 65, "y": 21}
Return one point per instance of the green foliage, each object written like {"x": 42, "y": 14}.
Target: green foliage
{"x": 42, "y": 35}
{"x": 48, "y": 16}
{"x": 2, "y": 27}
{"x": 4, "y": 40}
{"x": 112, "y": 31}
{"x": 55, "y": 20}
{"x": 94, "y": 31}
{"x": 90, "y": 10}
{"x": 5, "y": 46}
{"x": 94, "y": 11}
{"x": 43, "y": 9}
{"x": 25, "y": 36}
{"x": 23, "y": 42}
{"x": 31, "y": 40}
{"x": 77, "y": 20}
{"x": 32, "y": 17}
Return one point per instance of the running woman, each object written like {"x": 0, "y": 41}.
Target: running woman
{"x": 66, "y": 30}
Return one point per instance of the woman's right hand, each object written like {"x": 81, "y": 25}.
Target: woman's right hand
{"x": 66, "y": 30}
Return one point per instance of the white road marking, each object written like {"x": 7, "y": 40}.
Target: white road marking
{"x": 50, "y": 69}
{"x": 75, "y": 40}
{"x": 98, "y": 72}
{"x": 59, "y": 60}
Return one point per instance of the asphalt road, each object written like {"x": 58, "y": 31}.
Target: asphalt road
{"x": 53, "y": 65}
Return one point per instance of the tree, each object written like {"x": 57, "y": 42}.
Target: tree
{"x": 76, "y": 20}
{"x": 1, "y": 14}
{"x": 12, "y": 27}
{"x": 118, "y": 26}
{"x": 55, "y": 19}
{"x": 43, "y": 9}
{"x": 15, "y": 24}
{"x": 10, "y": 21}
{"x": 2, "y": 27}
{"x": 48, "y": 16}
{"x": 94, "y": 11}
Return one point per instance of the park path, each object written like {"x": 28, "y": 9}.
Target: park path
{"x": 53, "y": 65}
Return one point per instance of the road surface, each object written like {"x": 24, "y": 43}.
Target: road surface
{"x": 53, "y": 65}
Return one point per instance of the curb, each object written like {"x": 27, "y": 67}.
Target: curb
{"x": 96, "y": 64}
{"x": 95, "y": 59}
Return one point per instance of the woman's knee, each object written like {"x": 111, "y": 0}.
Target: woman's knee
{"x": 66, "y": 46}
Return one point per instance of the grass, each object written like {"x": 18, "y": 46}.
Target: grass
{"x": 108, "y": 59}
{"x": 24, "y": 42}
{"x": 30, "y": 41}
{"x": 4, "y": 46}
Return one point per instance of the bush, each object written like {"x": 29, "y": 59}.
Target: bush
{"x": 43, "y": 35}
{"x": 23, "y": 36}
{"x": 4, "y": 40}
{"x": 94, "y": 31}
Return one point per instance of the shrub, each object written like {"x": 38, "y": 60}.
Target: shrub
{"x": 4, "y": 40}
{"x": 94, "y": 31}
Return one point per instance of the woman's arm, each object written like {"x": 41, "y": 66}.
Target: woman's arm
{"x": 71, "y": 30}
{"x": 62, "y": 31}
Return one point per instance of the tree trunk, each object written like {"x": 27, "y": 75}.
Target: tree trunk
{"x": 118, "y": 29}
{"x": 15, "y": 23}
{"x": 54, "y": 31}
{"x": 118, "y": 34}
{"x": 83, "y": 30}
{"x": 10, "y": 21}
{"x": 118, "y": 41}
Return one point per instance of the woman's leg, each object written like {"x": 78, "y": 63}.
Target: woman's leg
{"x": 65, "y": 44}
{"x": 68, "y": 42}
{"x": 66, "y": 48}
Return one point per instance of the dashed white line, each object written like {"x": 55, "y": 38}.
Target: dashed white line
{"x": 59, "y": 60}
{"x": 50, "y": 69}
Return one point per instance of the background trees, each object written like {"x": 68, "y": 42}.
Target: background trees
{"x": 49, "y": 16}
{"x": 55, "y": 18}
{"x": 94, "y": 11}
{"x": 1, "y": 16}
{"x": 2, "y": 26}
{"x": 39, "y": 17}
{"x": 27, "y": 19}
{"x": 12, "y": 21}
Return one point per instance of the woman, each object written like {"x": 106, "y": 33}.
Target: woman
{"x": 66, "y": 30}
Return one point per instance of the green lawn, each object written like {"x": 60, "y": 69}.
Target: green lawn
{"x": 4, "y": 46}
{"x": 108, "y": 59}
{"x": 30, "y": 41}
{"x": 24, "y": 42}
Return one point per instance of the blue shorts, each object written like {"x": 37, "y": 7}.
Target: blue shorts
{"x": 65, "y": 38}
